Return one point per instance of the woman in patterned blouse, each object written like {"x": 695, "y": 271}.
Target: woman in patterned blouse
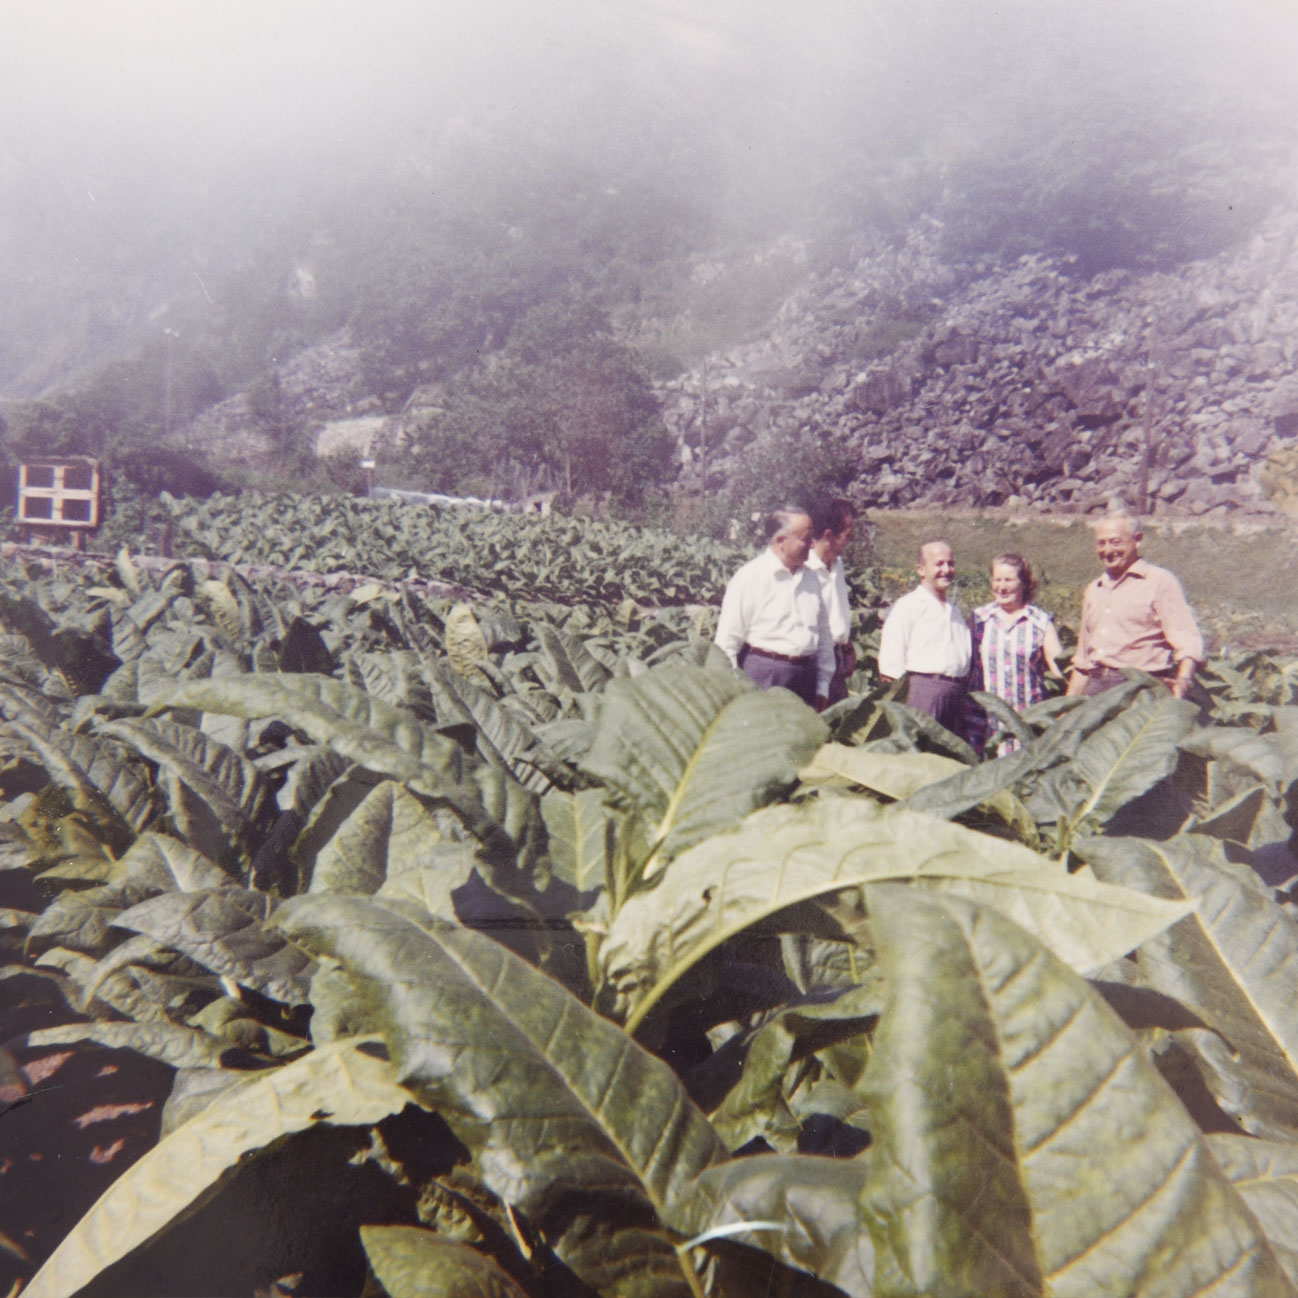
{"x": 1014, "y": 645}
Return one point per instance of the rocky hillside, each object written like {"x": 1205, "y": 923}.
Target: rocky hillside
{"x": 1020, "y": 384}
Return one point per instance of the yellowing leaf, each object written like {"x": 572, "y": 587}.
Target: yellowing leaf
{"x": 786, "y": 854}
{"x": 338, "y": 1083}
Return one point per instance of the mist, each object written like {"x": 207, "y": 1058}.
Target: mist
{"x": 151, "y": 147}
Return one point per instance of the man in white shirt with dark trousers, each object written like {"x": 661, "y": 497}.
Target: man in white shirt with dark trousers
{"x": 925, "y": 637}
{"x": 774, "y": 625}
{"x": 832, "y": 522}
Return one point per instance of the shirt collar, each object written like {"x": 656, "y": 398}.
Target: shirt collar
{"x": 994, "y": 610}
{"x": 941, "y": 603}
{"x": 775, "y": 565}
{"x": 1137, "y": 568}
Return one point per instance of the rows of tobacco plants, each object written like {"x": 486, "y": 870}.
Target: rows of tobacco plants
{"x": 535, "y": 558}
{"x": 531, "y": 951}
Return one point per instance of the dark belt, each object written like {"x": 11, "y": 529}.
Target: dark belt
{"x": 1102, "y": 673}
{"x": 782, "y": 658}
{"x": 938, "y": 676}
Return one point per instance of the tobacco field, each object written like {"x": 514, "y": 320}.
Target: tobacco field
{"x": 359, "y": 941}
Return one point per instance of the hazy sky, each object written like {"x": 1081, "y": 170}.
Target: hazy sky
{"x": 252, "y": 75}
{"x": 122, "y": 115}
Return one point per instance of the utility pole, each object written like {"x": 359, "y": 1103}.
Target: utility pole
{"x": 1143, "y": 503}
{"x": 703, "y": 430}
{"x": 171, "y": 335}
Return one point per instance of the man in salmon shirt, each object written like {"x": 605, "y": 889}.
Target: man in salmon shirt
{"x": 1133, "y": 615}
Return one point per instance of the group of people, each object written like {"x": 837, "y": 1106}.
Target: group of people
{"x": 786, "y": 621}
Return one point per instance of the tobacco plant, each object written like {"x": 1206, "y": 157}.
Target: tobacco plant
{"x": 538, "y": 953}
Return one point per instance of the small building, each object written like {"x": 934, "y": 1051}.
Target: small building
{"x": 59, "y": 499}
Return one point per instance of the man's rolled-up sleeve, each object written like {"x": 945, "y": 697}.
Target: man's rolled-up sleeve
{"x": 1177, "y": 620}
{"x": 1082, "y": 654}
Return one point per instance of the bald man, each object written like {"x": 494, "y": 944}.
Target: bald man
{"x": 1134, "y": 614}
{"x": 925, "y": 638}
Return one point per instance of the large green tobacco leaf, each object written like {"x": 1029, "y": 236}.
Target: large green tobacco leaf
{"x": 1233, "y": 962}
{"x": 20, "y": 702}
{"x": 375, "y": 734}
{"x": 83, "y": 920}
{"x": 371, "y": 733}
{"x": 1023, "y": 1142}
{"x": 556, "y": 1103}
{"x": 111, "y": 792}
{"x": 806, "y": 1211}
{"x": 212, "y": 790}
{"x": 695, "y": 750}
{"x": 1271, "y": 758}
{"x": 895, "y": 775}
{"x": 1115, "y": 764}
{"x": 339, "y": 1084}
{"x": 787, "y": 854}
{"x": 159, "y": 863}
{"x": 225, "y": 930}
{"x": 500, "y": 736}
{"x": 413, "y": 1263}
{"x": 389, "y": 832}
{"x": 218, "y": 774}
{"x": 1265, "y": 1172}
{"x": 581, "y": 831}
{"x": 928, "y": 782}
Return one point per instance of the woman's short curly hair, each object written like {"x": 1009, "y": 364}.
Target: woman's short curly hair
{"x": 1020, "y": 566}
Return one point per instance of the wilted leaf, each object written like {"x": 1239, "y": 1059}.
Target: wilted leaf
{"x": 169, "y": 1043}
{"x": 757, "y": 1104}
{"x": 339, "y": 1084}
{"x": 895, "y": 775}
{"x": 466, "y": 646}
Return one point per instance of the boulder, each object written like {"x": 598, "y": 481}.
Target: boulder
{"x": 955, "y": 350}
{"x": 1094, "y": 391}
{"x": 883, "y": 390}
{"x": 1283, "y": 406}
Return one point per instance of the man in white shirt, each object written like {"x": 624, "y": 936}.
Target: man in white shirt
{"x": 774, "y": 625}
{"x": 832, "y": 522}
{"x": 925, "y": 636}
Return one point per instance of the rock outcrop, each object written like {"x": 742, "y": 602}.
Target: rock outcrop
{"x": 1022, "y": 384}
{"x": 322, "y": 399}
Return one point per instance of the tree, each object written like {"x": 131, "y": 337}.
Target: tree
{"x": 564, "y": 402}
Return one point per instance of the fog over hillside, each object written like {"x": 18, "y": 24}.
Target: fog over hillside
{"x": 181, "y": 167}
